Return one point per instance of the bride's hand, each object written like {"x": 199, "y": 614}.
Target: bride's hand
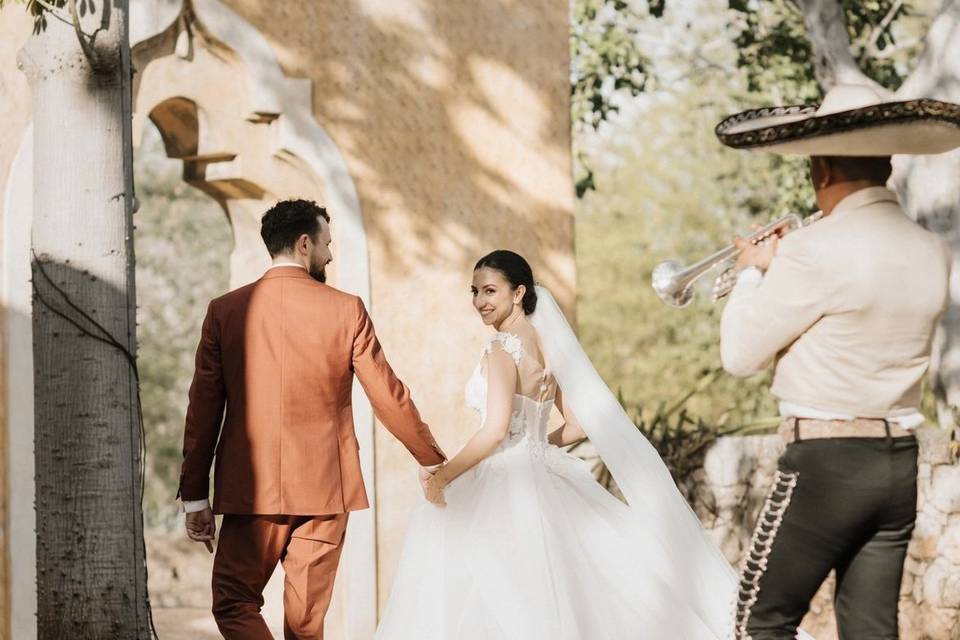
{"x": 433, "y": 490}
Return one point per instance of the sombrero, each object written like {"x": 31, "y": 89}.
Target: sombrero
{"x": 854, "y": 120}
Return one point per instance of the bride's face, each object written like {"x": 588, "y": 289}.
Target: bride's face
{"x": 493, "y": 296}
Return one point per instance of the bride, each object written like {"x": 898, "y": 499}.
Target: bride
{"x": 521, "y": 542}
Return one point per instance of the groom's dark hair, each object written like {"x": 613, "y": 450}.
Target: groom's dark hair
{"x": 287, "y": 220}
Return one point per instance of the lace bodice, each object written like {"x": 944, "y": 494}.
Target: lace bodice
{"x": 531, "y": 413}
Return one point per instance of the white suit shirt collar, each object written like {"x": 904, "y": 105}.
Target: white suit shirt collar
{"x": 286, "y": 263}
{"x": 863, "y": 198}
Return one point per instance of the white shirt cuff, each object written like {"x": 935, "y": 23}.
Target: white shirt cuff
{"x": 433, "y": 468}
{"x": 190, "y": 506}
{"x": 751, "y": 276}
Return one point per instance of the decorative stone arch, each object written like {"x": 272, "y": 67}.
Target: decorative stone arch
{"x": 260, "y": 144}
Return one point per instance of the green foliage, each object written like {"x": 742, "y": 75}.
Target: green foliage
{"x": 39, "y": 10}
{"x": 608, "y": 66}
{"x": 605, "y": 64}
{"x": 774, "y": 52}
{"x": 773, "y": 46}
{"x": 182, "y": 242}
{"x": 674, "y": 193}
{"x": 605, "y": 58}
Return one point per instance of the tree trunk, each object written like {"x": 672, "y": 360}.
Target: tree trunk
{"x": 827, "y": 30}
{"x": 926, "y": 186}
{"x": 91, "y": 574}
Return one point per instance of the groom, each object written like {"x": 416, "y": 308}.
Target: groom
{"x": 270, "y": 399}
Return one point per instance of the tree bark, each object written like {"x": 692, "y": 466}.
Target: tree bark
{"x": 91, "y": 574}
{"x": 827, "y": 29}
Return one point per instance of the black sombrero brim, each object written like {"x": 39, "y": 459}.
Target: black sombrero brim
{"x": 916, "y": 127}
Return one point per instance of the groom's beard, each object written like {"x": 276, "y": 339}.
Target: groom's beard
{"x": 318, "y": 273}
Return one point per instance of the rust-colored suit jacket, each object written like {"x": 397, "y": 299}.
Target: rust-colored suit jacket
{"x": 280, "y": 355}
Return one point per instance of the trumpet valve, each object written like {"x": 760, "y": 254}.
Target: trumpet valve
{"x": 724, "y": 283}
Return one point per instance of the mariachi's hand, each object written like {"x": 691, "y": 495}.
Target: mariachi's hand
{"x": 756, "y": 255}
{"x": 201, "y": 527}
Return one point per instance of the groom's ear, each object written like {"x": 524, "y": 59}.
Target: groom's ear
{"x": 302, "y": 244}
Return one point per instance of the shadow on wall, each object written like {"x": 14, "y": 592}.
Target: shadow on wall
{"x": 453, "y": 111}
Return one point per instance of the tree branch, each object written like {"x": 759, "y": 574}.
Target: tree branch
{"x": 938, "y": 60}
{"x": 81, "y": 36}
{"x": 53, "y": 11}
{"x": 893, "y": 49}
{"x": 827, "y": 31}
{"x": 881, "y": 28}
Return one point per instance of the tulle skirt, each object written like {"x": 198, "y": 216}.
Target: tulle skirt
{"x": 530, "y": 547}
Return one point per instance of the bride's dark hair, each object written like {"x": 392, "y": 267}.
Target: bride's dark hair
{"x": 516, "y": 270}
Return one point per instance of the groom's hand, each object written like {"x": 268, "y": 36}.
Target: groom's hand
{"x": 201, "y": 527}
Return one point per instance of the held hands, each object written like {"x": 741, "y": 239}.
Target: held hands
{"x": 756, "y": 255}
{"x": 201, "y": 527}
{"x": 432, "y": 486}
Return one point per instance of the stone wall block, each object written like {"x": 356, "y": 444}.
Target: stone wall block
{"x": 945, "y": 488}
{"x": 941, "y": 584}
{"x": 949, "y": 544}
{"x": 926, "y": 533}
{"x": 924, "y": 480}
{"x": 906, "y": 585}
{"x": 934, "y": 445}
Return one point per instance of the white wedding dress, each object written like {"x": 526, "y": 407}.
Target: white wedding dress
{"x": 531, "y": 547}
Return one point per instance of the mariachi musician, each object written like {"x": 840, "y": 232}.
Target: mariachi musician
{"x": 846, "y": 310}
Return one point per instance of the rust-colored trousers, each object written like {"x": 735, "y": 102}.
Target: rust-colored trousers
{"x": 249, "y": 549}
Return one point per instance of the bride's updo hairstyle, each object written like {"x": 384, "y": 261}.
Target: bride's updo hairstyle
{"x": 516, "y": 270}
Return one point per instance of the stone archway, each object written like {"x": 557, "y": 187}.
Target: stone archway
{"x": 247, "y": 136}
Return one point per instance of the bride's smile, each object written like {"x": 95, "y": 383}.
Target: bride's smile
{"x": 495, "y": 299}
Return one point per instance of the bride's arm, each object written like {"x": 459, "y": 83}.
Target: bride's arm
{"x": 570, "y": 431}
{"x": 501, "y": 382}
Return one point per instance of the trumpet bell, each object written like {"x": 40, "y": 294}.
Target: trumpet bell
{"x": 673, "y": 282}
{"x": 674, "y": 291}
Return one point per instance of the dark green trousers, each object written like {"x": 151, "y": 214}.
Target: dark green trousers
{"x": 847, "y": 504}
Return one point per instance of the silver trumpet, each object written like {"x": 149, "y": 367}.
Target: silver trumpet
{"x": 674, "y": 283}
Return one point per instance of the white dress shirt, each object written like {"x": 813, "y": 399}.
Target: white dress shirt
{"x": 846, "y": 313}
